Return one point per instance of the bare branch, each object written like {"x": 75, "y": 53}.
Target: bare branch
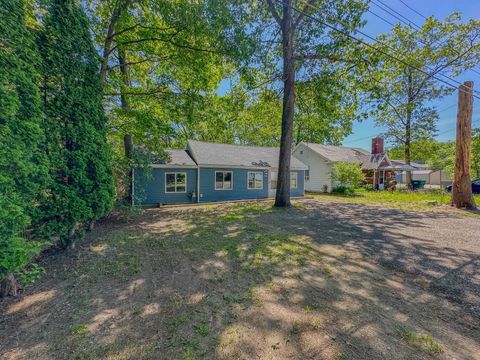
{"x": 319, "y": 57}
{"x": 274, "y": 12}
{"x": 150, "y": 59}
{"x": 139, "y": 25}
{"x": 300, "y": 17}
{"x": 144, "y": 93}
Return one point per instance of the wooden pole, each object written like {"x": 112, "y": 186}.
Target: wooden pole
{"x": 462, "y": 196}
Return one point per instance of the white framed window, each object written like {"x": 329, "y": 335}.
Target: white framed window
{"x": 255, "y": 180}
{"x": 175, "y": 182}
{"x": 293, "y": 180}
{"x": 223, "y": 180}
{"x": 307, "y": 174}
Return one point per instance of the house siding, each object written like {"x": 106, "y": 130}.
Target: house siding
{"x": 151, "y": 190}
{"x": 300, "y": 190}
{"x": 320, "y": 169}
{"x": 239, "y": 191}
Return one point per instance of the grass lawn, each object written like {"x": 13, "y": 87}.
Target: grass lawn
{"x": 407, "y": 200}
{"x": 235, "y": 281}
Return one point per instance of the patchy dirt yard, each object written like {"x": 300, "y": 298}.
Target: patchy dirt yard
{"x": 321, "y": 280}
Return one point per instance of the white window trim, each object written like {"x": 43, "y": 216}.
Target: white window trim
{"x": 175, "y": 173}
{"x": 296, "y": 179}
{"x": 223, "y": 181}
{"x": 255, "y": 172}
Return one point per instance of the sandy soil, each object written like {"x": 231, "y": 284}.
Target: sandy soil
{"x": 245, "y": 281}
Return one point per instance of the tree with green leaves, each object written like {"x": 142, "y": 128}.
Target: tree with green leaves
{"x": 161, "y": 64}
{"x": 402, "y": 85}
{"x": 308, "y": 46}
{"x": 75, "y": 127}
{"x": 23, "y": 167}
{"x": 347, "y": 176}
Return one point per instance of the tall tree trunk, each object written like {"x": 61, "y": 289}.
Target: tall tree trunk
{"x": 462, "y": 185}
{"x": 282, "y": 197}
{"x": 408, "y": 130}
{"x": 127, "y": 138}
{"x": 120, "y": 6}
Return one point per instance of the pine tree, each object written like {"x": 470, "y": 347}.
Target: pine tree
{"x": 76, "y": 124}
{"x": 23, "y": 168}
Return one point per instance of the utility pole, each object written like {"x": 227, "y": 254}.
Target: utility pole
{"x": 462, "y": 196}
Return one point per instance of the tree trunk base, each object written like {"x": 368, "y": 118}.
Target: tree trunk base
{"x": 8, "y": 286}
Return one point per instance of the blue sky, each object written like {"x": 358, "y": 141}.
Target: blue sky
{"x": 362, "y": 132}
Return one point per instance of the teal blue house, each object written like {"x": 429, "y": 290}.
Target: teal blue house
{"x": 209, "y": 172}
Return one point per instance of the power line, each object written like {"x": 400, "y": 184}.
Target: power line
{"x": 447, "y": 108}
{"x": 415, "y": 11}
{"x": 359, "y": 139}
{"x": 423, "y": 16}
{"x": 369, "y": 45}
{"x": 408, "y": 23}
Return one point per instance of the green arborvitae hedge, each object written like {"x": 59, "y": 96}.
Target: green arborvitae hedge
{"x": 23, "y": 165}
{"x": 55, "y": 163}
{"x": 75, "y": 125}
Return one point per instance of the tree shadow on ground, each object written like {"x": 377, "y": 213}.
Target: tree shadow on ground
{"x": 318, "y": 281}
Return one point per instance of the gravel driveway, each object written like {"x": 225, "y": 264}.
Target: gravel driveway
{"x": 439, "y": 250}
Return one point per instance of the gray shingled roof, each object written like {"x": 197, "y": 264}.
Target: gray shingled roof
{"x": 179, "y": 157}
{"x": 413, "y": 164}
{"x": 339, "y": 153}
{"x": 347, "y": 154}
{"x": 206, "y": 153}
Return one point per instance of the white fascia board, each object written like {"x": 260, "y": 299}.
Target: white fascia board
{"x": 163, "y": 166}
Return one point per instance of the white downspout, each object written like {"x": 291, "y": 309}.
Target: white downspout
{"x": 133, "y": 187}
{"x": 198, "y": 184}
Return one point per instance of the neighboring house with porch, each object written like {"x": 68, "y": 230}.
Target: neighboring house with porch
{"x": 209, "y": 172}
{"x": 377, "y": 167}
{"x": 421, "y": 171}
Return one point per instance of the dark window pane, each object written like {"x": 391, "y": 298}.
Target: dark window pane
{"x": 170, "y": 178}
{"x": 227, "y": 180}
{"x": 218, "y": 180}
{"x": 170, "y": 188}
{"x": 181, "y": 188}
{"x": 181, "y": 179}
